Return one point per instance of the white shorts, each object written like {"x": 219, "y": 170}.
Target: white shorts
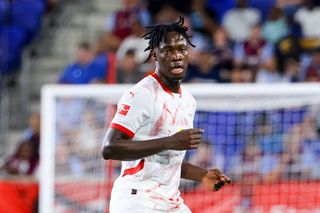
{"x": 124, "y": 200}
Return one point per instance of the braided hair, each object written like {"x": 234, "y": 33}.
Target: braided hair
{"x": 157, "y": 33}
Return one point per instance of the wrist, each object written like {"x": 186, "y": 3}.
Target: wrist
{"x": 203, "y": 175}
{"x": 167, "y": 143}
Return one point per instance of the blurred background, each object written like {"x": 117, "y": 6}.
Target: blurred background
{"x": 99, "y": 42}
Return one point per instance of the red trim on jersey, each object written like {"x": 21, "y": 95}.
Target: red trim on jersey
{"x": 135, "y": 169}
{"x": 122, "y": 129}
{"x": 166, "y": 89}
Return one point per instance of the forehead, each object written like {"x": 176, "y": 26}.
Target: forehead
{"x": 173, "y": 39}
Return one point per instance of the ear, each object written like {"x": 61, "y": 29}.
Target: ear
{"x": 153, "y": 55}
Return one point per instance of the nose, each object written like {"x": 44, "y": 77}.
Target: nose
{"x": 176, "y": 56}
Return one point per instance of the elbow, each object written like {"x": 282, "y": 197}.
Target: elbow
{"x": 107, "y": 153}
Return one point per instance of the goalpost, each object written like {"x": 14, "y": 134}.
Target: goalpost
{"x": 264, "y": 136}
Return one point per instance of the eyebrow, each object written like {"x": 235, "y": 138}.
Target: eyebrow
{"x": 170, "y": 46}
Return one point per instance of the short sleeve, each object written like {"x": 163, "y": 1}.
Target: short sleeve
{"x": 133, "y": 111}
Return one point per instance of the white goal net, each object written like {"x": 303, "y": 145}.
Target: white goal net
{"x": 265, "y": 137}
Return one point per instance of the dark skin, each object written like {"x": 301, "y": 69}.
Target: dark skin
{"x": 172, "y": 59}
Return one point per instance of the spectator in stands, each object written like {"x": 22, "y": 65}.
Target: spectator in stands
{"x": 310, "y": 136}
{"x": 134, "y": 42}
{"x": 288, "y": 7}
{"x": 33, "y": 131}
{"x": 247, "y": 171}
{"x": 270, "y": 141}
{"x": 118, "y": 24}
{"x": 292, "y": 70}
{"x": 311, "y": 141}
{"x": 205, "y": 68}
{"x": 86, "y": 69}
{"x": 220, "y": 7}
{"x": 269, "y": 73}
{"x": 241, "y": 74}
{"x": 308, "y": 17}
{"x": 313, "y": 71}
{"x": 166, "y": 14}
{"x": 254, "y": 51}
{"x": 217, "y": 49}
{"x": 239, "y": 20}
{"x": 25, "y": 159}
{"x": 275, "y": 27}
{"x": 128, "y": 69}
{"x": 297, "y": 158}
{"x": 202, "y": 18}
{"x": 222, "y": 49}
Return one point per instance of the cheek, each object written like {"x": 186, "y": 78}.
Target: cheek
{"x": 163, "y": 60}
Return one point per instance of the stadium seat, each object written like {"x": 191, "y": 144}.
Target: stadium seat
{"x": 3, "y": 12}
{"x": 11, "y": 44}
{"x": 27, "y": 14}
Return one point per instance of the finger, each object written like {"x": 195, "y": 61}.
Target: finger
{"x": 195, "y": 141}
{"x": 193, "y": 146}
{"x": 212, "y": 174}
{"x": 196, "y": 136}
{"x": 197, "y": 131}
{"x": 227, "y": 179}
{"x": 218, "y": 185}
{"x": 215, "y": 173}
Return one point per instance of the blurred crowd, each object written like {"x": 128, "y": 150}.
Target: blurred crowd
{"x": 262, "y": 148}
{"x": 236, "y": 41}
{"x": 20, "y": 22}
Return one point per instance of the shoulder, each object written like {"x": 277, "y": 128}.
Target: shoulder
{"x": 187, "y": 95}
{"x": 71, "y": 67}
{"x": 141, "y": 90}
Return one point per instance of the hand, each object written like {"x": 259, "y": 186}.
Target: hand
{"x": 215, "y": 180}
{"x": 186, "y": 139}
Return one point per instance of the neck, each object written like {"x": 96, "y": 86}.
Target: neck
{"x": 172, "y": 85}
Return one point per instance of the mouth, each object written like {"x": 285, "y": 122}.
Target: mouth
{"x": 177, "y": 69}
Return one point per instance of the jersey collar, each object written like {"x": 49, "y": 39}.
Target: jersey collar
{"x": 166, "y": 89}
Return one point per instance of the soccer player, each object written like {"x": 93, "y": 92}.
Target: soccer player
{"x": 153, "y": 128}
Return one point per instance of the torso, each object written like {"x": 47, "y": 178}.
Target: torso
{"x": 163, "y": 114}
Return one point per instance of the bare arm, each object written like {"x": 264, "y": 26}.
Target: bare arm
{"x": 192, "y": 172}
{"x": 213, "y": 179}
{"x": 119, "y": 146}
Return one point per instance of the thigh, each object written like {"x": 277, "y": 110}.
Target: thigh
{"x": 123, "y": 201}
{"x": 183, "y": 209}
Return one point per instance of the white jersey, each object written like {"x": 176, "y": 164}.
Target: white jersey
{"x": 148, "y": 111}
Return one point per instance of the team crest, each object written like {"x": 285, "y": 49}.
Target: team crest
{"x": 124, "y": 109}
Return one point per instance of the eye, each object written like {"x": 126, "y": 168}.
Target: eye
{"x": 165, "y": 51}
{"x": 183, "y": 49}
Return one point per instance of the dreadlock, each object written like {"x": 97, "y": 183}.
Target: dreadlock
{"x": 157, "y": 33}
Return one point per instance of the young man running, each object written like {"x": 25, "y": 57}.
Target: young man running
{"x": 153, "y": 128}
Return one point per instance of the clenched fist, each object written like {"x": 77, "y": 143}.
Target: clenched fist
{"x": 186, "y": 139}
{"x": 214, "y": 180}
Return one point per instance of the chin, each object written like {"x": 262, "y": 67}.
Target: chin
{"x": 178, "y": 77}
